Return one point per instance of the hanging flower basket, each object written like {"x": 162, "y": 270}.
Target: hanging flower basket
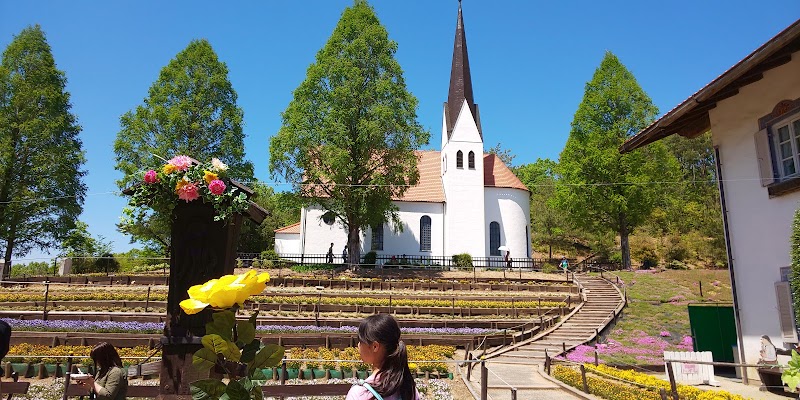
{"x": 183, "y": 179}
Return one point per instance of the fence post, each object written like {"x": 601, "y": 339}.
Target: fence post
{"x": 673, "y": 387}
{"x": 469, "y": 366}
{"x": 484, "y": 381}
{"x": 513, "y": 393}
{"x": 46, "y": 294}
{"x": 283, "y": 372}
{"x": 147, "y": 302}
{"x": 596, "y": 359}
{"x": 583, "y": 379}
{"x": 547, "y": 362}
{"x": 701, "y": 288}
{"x": 663, "y": 394}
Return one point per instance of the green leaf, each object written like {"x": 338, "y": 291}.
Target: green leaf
{"x": 204, "y": 359}
{"x": 258, "y": 377}
{"x": 207, "y": 389}
{"x": 249, "y": 351}
{"x": 222, "y": 324}
{"x": 253, "y": 318}
{"x": 269, "y": 356}
{"x": 256, "y": 393}
{"x": 215, "y": 343}
{"x": 246, "y": 331}
{"x": 232, "y": 352}
{"x": 236, "y": 391}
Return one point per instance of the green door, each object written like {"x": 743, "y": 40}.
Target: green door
{"x": 713, "y": 329}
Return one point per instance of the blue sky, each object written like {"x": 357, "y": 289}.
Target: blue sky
{"x": 529, "y": 59}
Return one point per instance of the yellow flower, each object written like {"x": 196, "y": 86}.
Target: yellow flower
{"x": 412, "y": 366}
{"x": 168, "y": 168}
{"x": 181, "y": 183}
{"x": 209, "y": 176}
{"x": 224, "y": 292}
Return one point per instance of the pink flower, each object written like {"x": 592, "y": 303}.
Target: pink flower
{"x": 150, "y": 177}
{"x": 665, "y": 334}
{"x": 216, "y": 187}
{"x": 181, "y": 163}
{"x": 188, "y": 192}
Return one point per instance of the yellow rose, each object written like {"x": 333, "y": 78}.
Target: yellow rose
{"x": 168, "y": 169}
{"x": 224, "y": 292}
{"x": 209, "y": 176}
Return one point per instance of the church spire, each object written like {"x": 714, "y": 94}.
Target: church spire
{"x": 460, "y": 80}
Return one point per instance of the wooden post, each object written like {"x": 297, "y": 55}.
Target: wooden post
{"x": 701, "y": 287}
{"x": 513, "y": 393}
{"x": 282, "y": 377}
{"x": 672, "y": 385}
{"x": 147, "y": 302}
{"x": 469, "y": 366}
{"x": 583, "y": 379}
{"x": 46, "y": 294}
{"x": 663, "y": 394}
{"x": 596, "y": 358}
{"x": 484, "y": 381}
{"x": 547, "y": 362}
{"x": 564, "y": 347}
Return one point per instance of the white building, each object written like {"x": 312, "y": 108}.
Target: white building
{"x": 466, "y": 201}
{"x": 753, "y": 112}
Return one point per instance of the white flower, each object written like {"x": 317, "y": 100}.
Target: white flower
{"x": 218, "y": 165}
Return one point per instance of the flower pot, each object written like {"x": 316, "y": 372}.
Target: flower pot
{"x": 449, "y": 375}
{"x": 318, "y": 373}
{"x": 335, "y": 373}
{"x": 292, "y": 373}
{"x": 267, "y": 372}
{"x": 362, "y": 374}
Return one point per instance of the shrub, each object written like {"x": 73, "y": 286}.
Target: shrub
{"x": 256, "y": 263}
{"x": 107, "y": 263}
{"x": 269, "y": 254}
{"x": 369, "y": 259}
{"x": 463, "y": 260}
{"x": 647, "y": 255}
{"x": 548, "y": 268}
{"x": 676, "y": 250}
{"x": 675, "y": 264}
{"x": 312, "y": 267}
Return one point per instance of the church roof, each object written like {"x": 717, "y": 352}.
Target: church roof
{"x": 429, "y": 188}
{"x": 293, "y": 228}
{"x": 497, "y": 174}
{"x": 460, "y": 80}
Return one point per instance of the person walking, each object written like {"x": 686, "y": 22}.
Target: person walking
{"x": 329, "y": 256}
{"x": 344, "y": 255}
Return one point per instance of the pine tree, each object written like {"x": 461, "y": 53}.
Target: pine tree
{"x": 601, "y": 189}
{"x": 41, "y": 155}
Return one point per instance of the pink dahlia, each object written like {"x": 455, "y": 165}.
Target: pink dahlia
{"x": 188, "y": 192}
{"x": 216, "y": 187}
{"x": 150, "y": 177}
{"x": 181, "y": 163}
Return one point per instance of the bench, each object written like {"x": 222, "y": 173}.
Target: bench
{"x": 770, "y": 379}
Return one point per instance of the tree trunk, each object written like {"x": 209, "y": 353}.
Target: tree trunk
{"x": 353, "y": 246}
{"x": 7, "y": 258}
{"x": 624, "y": 244}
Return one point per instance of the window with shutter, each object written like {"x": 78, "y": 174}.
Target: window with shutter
{"x": 764, "y": 159}
{"x": 785, "y": 312}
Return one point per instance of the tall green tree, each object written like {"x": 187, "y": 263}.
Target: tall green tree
{"x": 283, "y": 209}
{"x": 349, "y": 134}
{"x": 191, "y": 109}
{"x": 548, "y": 223}
{"x": 601, "y": 189}
{"x": 505, "y": 155}
{"x": 41, "y": 155}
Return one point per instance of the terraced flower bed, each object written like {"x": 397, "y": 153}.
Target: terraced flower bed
{"x": 157, "y": 327}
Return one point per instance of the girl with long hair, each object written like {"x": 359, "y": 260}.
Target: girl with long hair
{"x": 110, "y": 382}
{"x": 380, "y": 346}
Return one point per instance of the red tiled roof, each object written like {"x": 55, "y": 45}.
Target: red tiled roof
{"x": 497, "y": 174}
{"x": 293, "y": 228}
{"x": 429, "y": 187}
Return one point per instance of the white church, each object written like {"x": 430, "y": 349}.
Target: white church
{"x": 466, "y": 201}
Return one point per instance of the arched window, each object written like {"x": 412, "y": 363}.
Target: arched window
{"x": 377, "y": 237}
{"x": 494, "y": 238}
{"x": 425, "y": 233}
{"x": 471, "y": 160}
{"x": 460, "y": 159}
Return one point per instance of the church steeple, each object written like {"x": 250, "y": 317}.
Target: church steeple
{"x": 460, "y": 80}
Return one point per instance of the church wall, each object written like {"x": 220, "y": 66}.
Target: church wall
{"x": 318, "y": 235}
{"x": 287, "y": 243}
{"x": 511, "y": 209}
{"x": 408, "y": 241}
